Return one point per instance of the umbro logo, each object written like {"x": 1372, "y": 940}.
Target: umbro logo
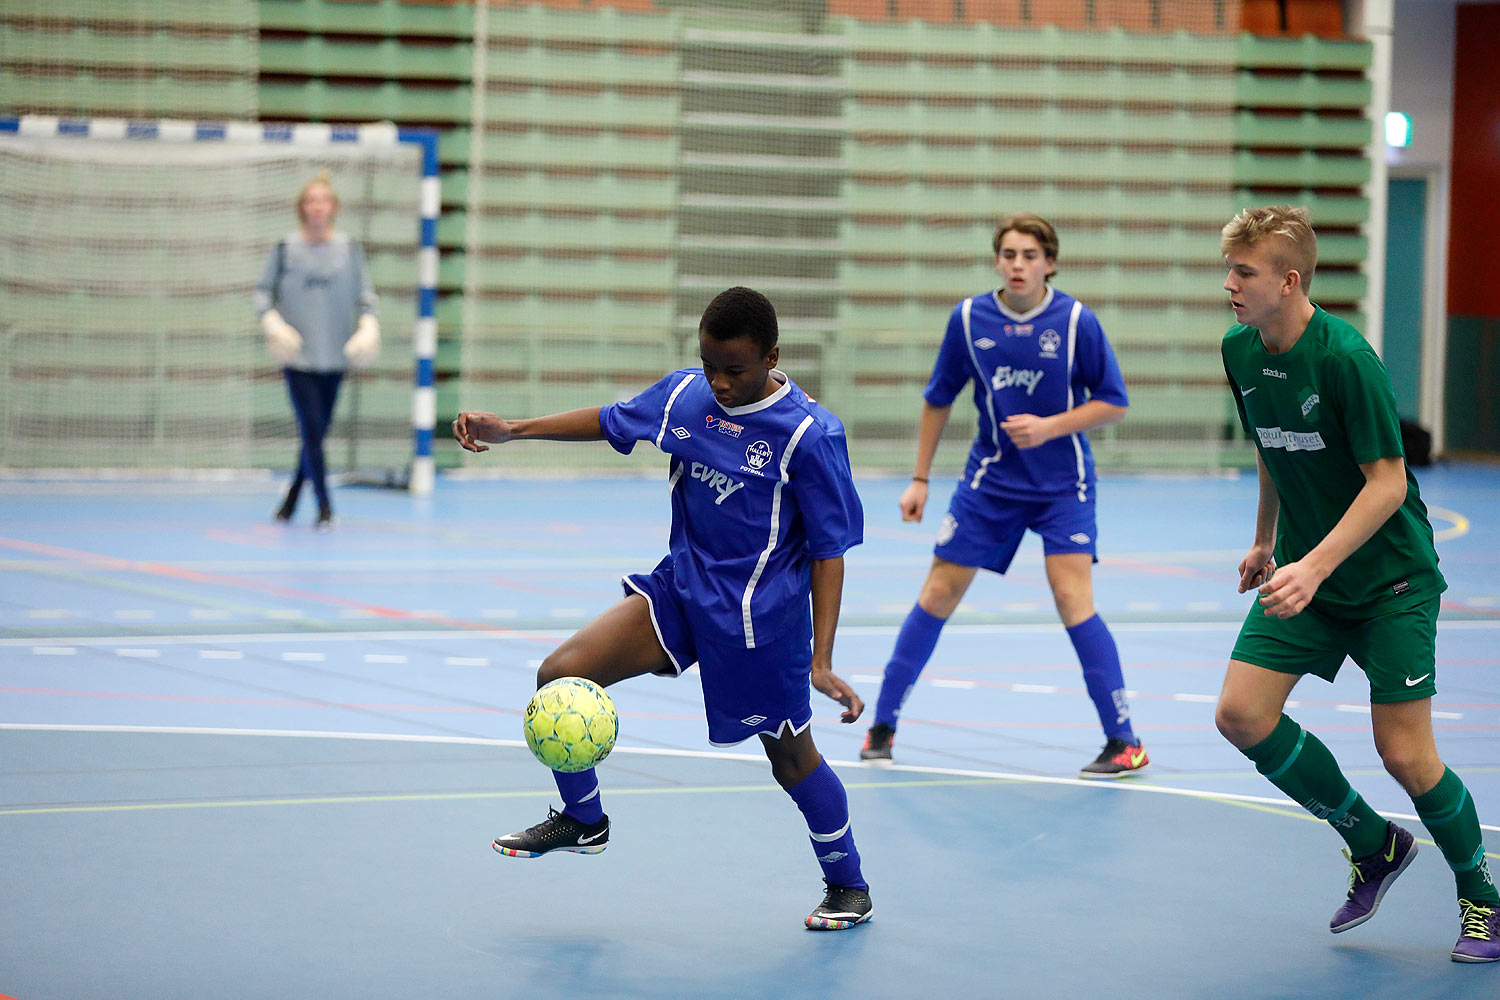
{"x": 1079, "y": 538}
{"x": 832, "y": 856}
{"x": 984, "y": 343}
{"x": 754, "y": 720}
{"x": 682, "y": 432}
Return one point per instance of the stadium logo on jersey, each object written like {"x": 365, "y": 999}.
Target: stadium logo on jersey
{"x": 947, "y": 529}
{"x": 715, "y": 480}
{"x": 1275, "y": 437}
{"x": 682, "y": 433}
{"x": 984, "y": 343}
{"x": 758, "y": 454}
{"x": 1309, "y": 403}
{"x": 725, "y": 426}
{"x": 1006, "y": 377}
{"x": 754, "y": 720}
{"x": 1049, "y": 342}
{"x": 1273, "y": 373}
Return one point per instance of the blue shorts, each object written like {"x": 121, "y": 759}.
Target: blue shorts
{"x": 985, "y": 531}
{"x": 745, "y": 691}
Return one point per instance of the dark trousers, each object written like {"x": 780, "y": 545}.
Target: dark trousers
{"x": 313, "y": 395}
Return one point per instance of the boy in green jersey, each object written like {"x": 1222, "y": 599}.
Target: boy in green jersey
{"x": 1344, "y": 563}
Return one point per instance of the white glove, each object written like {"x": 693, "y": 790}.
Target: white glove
{"x": 364, "y": 347}
{"x": 282, "y": 339}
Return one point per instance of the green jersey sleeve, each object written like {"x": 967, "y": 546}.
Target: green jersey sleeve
{"x": 1367, "y": 408}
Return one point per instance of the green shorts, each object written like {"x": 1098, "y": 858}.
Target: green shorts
{"x": 1396, "y": 650}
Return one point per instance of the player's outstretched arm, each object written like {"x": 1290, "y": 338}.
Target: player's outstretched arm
{"x": 477, "y": 429}
{"x": 827, "y": 595}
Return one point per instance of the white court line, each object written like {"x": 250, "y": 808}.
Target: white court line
{"x": 500, "y": 634}
{"x": 1132, "y": 785}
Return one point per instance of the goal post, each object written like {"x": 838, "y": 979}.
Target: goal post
{"x": 128, "y": 253}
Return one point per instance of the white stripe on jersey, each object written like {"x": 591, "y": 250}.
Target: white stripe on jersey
{"x": 760, "y": 565}
{"x": 1083, "y": 484}
{"x": 989, "y": 398}
{"x": 666, "y": 412}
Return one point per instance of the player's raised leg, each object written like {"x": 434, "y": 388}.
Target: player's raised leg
{"x": 618, "y": 644}
{"x": 801, "y": 770}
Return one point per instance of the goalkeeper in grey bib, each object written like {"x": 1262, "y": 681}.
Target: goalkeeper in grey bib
{"x": 318, "y": 310}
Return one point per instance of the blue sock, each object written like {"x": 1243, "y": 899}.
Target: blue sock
{"x": 825, "y": 806}
{"x": 914, "y": 646}
{"x": 580, "y": 795}
{"x": 1102, "y": 676}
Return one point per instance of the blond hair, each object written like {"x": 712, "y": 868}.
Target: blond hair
{"x": 1289, "y": 231}
{"x": 324, "y": 178}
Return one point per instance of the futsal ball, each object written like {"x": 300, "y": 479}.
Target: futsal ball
{"x": 571, "y": 724}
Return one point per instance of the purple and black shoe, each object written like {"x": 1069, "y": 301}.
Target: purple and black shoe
{"x": 1372, "y": 876}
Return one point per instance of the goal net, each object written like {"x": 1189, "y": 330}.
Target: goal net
{"x": 128, "y": 339}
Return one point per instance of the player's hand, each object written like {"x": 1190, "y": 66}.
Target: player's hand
{"x": 1256, "y": 568}
{"x": 282, "y": 339}
{"x": 839, "y": 690}
{"x": 913, "y": 501}
{"x": 476, "y": 426}
{"x": 1290, "y": 589}
{"x": 1027, "y": 430}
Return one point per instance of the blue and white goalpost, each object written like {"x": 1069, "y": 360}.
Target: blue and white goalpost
{"x": 127, "y": 336}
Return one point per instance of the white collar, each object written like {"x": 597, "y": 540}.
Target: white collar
{"x": 1020, "y": 317}
{"x": 761, "y": 404}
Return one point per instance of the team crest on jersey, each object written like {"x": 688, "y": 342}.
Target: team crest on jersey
{"x": 984, "y": 343}
{"x": 1049, "y": 342}
{"x": 724, "y": 426}
{"x": 758, "y": 455}
{"x": 1309, "y": 400}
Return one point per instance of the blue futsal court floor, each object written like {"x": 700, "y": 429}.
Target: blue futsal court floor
{"x": 242, "y": 759}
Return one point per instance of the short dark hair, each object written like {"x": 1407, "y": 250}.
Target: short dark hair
{"x": 741, "y": 312}
{"x": 1029, "y": 225}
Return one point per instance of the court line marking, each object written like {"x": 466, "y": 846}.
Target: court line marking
{"x": 961, "y": 775}
{"x": 529, "y": 635}
{"x": 1459, "y": 523}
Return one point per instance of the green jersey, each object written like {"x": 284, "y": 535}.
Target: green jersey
{"x": 1316, "y": 413}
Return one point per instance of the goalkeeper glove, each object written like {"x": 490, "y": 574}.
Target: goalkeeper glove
{"x": 282, "y": 339}
{"x": 364, "y": 347}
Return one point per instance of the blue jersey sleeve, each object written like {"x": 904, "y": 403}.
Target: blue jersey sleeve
{"x": 641, "y": 418}
{"x": 1096, "y": 363}
{"x": 822, "y": 482}
{"x": 953, "y": 369}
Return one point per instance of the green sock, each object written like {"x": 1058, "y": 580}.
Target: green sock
{"x": 1298, "y": 763}
{"x": 1449, "y": 815}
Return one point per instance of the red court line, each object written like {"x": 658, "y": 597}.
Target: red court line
{"x": 291, "y": 593}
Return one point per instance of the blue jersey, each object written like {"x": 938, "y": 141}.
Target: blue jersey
{"x": 758, "y": 492}
{"x": 1043, "y": 362}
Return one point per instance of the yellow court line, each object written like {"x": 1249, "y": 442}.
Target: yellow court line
{"x": 1460, "y": 524}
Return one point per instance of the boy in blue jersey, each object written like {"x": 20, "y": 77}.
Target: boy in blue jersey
{"x": 763, "y": 509}
{"x": 1043, "y": 373}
